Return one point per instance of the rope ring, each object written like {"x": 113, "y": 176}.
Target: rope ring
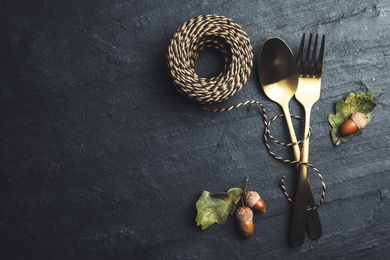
{"x": 221, "y": 34}
{"x": 322, "y": 200}
{"x": 267, "y": 132}
{"x": 283, "y": 143}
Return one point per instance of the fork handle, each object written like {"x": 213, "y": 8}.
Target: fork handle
{"x": 298, "y": 228}
{"x": 314, "y": 227}
{"x": 313, "y": 222}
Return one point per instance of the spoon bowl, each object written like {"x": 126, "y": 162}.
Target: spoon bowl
{"x": 278, "y": 75}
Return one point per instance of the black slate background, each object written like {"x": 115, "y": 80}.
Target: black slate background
{"x": 101, "y": 158}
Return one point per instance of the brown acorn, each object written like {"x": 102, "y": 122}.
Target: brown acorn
{"x": 253, "y": 200}
{"x": 244, "y": 217}
{"x": 353, "y": 124}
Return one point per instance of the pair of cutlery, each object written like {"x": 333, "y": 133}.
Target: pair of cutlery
{"x": 281, "y": 78}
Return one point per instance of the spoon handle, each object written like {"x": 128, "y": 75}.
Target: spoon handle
{"x": 292, "y": 132}
{"x": 298, "y": 227}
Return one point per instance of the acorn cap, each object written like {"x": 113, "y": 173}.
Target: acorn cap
{"x": 251, "y": 198}
{"x": 360, "y": 119}
{"x": 244, "y": 214}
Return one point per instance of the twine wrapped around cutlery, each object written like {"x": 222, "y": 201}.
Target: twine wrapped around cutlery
{"x": 266, "y": 135}
{"x": 231, "y": 41}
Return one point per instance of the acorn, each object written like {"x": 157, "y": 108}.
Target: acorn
{"x": 352, "y": 125}
{"x": 244, "y": 217}
{"x": 253, "y": 200}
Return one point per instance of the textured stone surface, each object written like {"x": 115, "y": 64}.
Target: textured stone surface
{"x": 102, "y": 158}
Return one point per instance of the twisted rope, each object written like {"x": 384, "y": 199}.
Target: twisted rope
{"x": 221, "y": 34}
{"x": 266, "y": 135}
{"x": 229, "y": 39}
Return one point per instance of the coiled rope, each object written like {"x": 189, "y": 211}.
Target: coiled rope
{"x": 228, "y": 38}
{"x": 221, "y": 34}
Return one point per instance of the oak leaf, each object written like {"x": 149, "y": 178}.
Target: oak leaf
{"x": 215, "y": 208}
{"x": 361, "y": 102}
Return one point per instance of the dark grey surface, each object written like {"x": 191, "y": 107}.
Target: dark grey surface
{"x": 101, "y": 158}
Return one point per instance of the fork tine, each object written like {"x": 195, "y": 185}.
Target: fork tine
{"x": 313, "y": 59}
{"x": 320, "y": 58}
{"x": 300, "y": 54}
{"x": 306, "y": 69}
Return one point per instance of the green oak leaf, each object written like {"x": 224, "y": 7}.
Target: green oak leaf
{"x": 215, "y": 208}
{"x": 361, "y": 102}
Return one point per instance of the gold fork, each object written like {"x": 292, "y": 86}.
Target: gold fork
{"x": 308, "y": 92}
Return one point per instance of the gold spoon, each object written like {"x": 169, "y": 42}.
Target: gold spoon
{"x": 278, "y": 75}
